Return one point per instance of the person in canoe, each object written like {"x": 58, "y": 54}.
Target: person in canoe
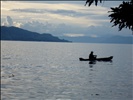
{"x": 91, "y": 56}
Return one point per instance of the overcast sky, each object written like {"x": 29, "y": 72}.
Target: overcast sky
{"x": 66, "y": 18}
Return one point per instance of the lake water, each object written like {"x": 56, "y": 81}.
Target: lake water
{"x": 52, "y": 71}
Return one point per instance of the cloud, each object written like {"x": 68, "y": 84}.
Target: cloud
{"x": 73, "y": 35}
{"x": 37, "y": 26}
{"x": 9, "y": 21}
{"x": 93, "y": 35}
{"x": 29, "y": 10}
{"x": 60, "y": 12}
{"x": 59, "y": 18}
{"x": 17, "y": 24}
{"x": 69, "y": 13}
{"x": 66, "y": 12}
{"x": 77, "y": 15}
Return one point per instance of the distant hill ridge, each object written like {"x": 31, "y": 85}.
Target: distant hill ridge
{"x": 115, "y": 39}
{"x": 18, "y": 34}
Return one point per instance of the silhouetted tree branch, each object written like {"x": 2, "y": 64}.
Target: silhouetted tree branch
{"x": 122, "y": 15}
{"x": 91, "y": 1}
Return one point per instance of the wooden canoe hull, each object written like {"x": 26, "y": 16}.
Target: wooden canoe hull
{"x": 98, "y": 59}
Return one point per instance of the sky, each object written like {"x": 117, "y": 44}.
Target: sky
{"x": 61, "y": 18}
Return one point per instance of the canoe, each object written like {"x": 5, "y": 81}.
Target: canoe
{"x": 98, "y": 59}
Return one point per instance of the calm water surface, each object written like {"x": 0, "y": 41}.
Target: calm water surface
{"x": 52, "y": 71}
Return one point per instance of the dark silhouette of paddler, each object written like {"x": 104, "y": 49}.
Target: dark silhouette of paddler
{"x": 91, "y": 56}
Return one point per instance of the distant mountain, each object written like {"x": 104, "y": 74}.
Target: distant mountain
{"x": 103, "y": 39}
{"x": 119, "y": 39}
{"x": 18, "y": 34}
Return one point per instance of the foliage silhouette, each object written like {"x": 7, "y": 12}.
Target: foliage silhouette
{"x": 121, "y": 16}
{"x": 91, "y": 1}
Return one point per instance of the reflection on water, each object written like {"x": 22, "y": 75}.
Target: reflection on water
{"x": 52, "y": 71}
{"x": 92, "y": 62}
